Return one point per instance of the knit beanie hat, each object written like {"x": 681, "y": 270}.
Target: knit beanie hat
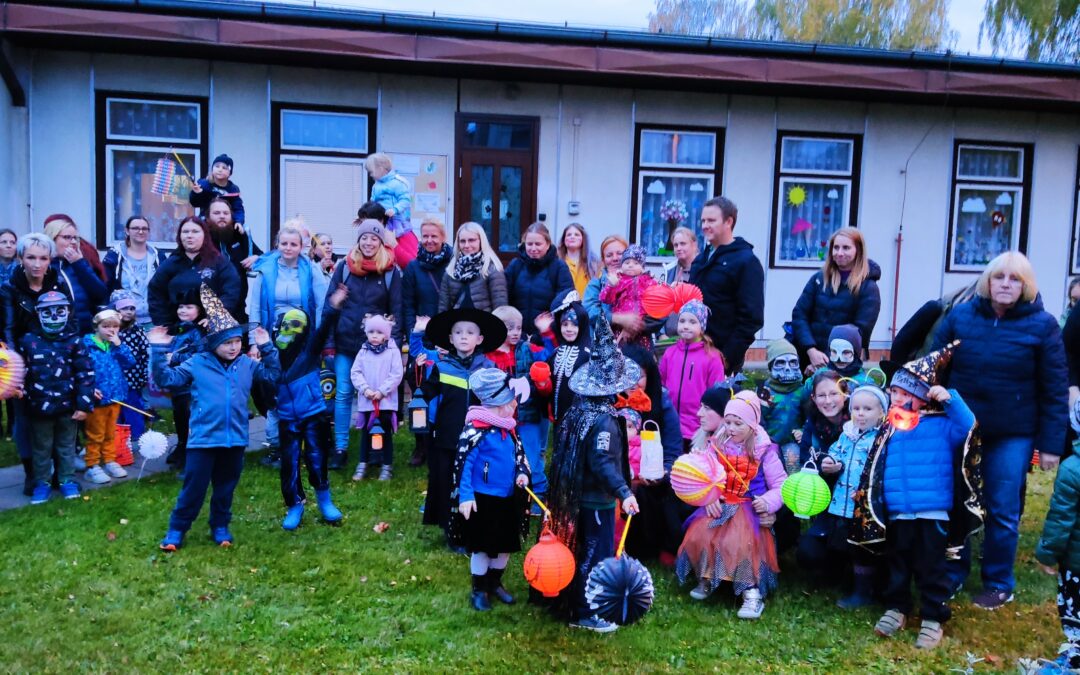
{"x": 634, "y": 252}
{"x": 697, "y": 309}
{"x": 632, "y": 417}
{"x": 371, "y": 226}
{"x": 778, "y": 347}
{"x": 122, "y": 298}
{"x": 877, "y": 392}
{"x": 377, "y": 323}
{"x": 848, "y": 332}
{"x": 716, "y": 398}
{"x": 223, "y": 159}
{"x": 746, "y": 406}
{"x": 491, "y": 386}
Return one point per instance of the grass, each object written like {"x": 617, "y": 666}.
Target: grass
{"x": 83, "y": 586}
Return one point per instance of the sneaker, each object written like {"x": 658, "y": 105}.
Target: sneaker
{"x": 222, "y": 537}
{"x": 752, "y": 604}
{"x": 361, "y": 468}
{"x": 79, "y": 464}
{"x": 387, "y": 472}
{"x": 992, "y": 599}
{"x": 703, "y": 590}
{"x": 272, "y": 458}
{"x": 70, "y": 490}
{"x": 42, "y": 492}
{"x": 929, "y": 634}
{"x": 890, "y": 623}
{"x": 96, "y": 474}
{"x": 595, "y": 624}
{"x": 172, "y": 540}
{"x": 115, "y": 470}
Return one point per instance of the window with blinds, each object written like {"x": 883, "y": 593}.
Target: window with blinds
{"x": 325, "y": 192}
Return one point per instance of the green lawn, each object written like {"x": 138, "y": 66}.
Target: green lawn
{"x": 83, "y": 587}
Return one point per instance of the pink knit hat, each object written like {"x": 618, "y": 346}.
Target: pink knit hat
{"x": 378, "y": 323}
{"x": 746, "y": 406}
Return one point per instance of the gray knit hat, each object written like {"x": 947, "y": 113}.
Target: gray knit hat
{"x": 371, "y": 226}
{"x": 491, "y": 386}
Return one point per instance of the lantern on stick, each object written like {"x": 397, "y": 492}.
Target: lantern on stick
{"x": 620, "y": 589}
{"x": 806, "y": 493}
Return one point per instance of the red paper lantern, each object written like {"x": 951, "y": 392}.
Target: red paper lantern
{"x": 903, "y": 419}
{"x": 549, "y": 565}
{"x": 658, "y": 301}
{"x": 684, "y": 293}
{"x": 122, "y": 442}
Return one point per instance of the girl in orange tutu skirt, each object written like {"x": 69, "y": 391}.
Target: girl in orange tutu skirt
{"x": 731, "y": 539}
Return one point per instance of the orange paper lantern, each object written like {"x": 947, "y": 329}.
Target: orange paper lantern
{"x": 684, "y": 293}
{"x": 549, "y": 565}
{"x": 658, "y": 301}
{"x": 122, "y": 442}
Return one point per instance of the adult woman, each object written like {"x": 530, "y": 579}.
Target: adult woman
{"x": 423, "y": 277}
{"x": 31, "y": 277}
{"x": 374, "y": 286}
{"x": 536, "y": 275}
{"x": 322, "y": 253}
{"x": 1010, "y": 369}
{"x": 88, "y": 290}
{"x": 843, "y": 291}
{"x": 611, "y": 250}
{"x": 195, "y": 261}
{"x": 129, "y": 265}
{"x": 8, "y": 258}
{"x": 684, "y": 241}
{"x": 474, "y": 276}
{"x": 574, "y": 250}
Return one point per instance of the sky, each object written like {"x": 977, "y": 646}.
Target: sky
{"x": 964, "y": 15}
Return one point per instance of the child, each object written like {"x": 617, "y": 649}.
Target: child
{"x": 632, "y": 418}
{"x": 218, "y": 184}
{"x": 515, "y": 358}
{"x": 134, "y": 337}
{"x": 625, "y": 295}
{"x": 784, "y": 396}
{"x": 59, "y": 392}
{"x": 825, "y": 544}
{"x": 575, "y": 342}
{"x": 220, "y": 379}
{"x": 490, "y": 464}
{"x": 1059, "y": 547}
{"x": 845, "y": 353}
{"x": 466, "y": 334}
{"x": 376, "y": 373}
{"x": 914, "y": 505}
{"x": 302, "y": 412}
{"x": 187, "y": 341}
{"x": 110, "y": 357}
{"x": 727, "y": 540}
{"x": 394, "y": 194}
{"x": 690, "y": 367}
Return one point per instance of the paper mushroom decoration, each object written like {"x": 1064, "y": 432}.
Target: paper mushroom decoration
{"x": 153, "y": 444}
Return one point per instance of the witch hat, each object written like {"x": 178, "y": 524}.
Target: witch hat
{"x": 608, "y": 372}
{"x": 220, "y": 325}
{"x": 918, "y": 376}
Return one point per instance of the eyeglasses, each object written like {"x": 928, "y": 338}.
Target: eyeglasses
{"x": 68, "y": 237}
{"x": 138, "y": 228}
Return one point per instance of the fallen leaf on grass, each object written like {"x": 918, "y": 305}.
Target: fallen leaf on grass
{"x": 110, "y": 535}
{"x": 393, "y": 583}
{"x": 254, "y": 570}
{"x": 363, "y": 580}
{"x": 381, "y": 527}
{"x": 123, "y": 521}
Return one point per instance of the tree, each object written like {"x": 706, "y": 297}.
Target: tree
{"x": 1045, "y": 30}
{"x": 892, "y": 24}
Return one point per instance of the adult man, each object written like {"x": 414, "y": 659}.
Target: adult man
{"x": 732, "y": 282}
{"x": 235, "y": 244}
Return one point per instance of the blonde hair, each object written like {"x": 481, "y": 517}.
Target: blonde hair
{"x": 378, "y": 159}
{"x": 290, "y": 228}
{"x": 436, "y": 223}
{"x": 384, "y": 256}
{"x": 684, "y": 230}
{"x": 860, "y": 269}
{"x": 55, "y": 227}
{"x": 489, "y": 261}
{"x": 317, "y": 240}
{"x": 1013, "y": 262}
{"x": 505, "y": 312}
{"x": 107, "y": 316}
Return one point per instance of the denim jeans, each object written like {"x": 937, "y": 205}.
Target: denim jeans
{"x": 204, "y": 467}
{"x": 344, "y": 400}
{"x": 1005, "y": 463}
{"x": 53, "y": 437}
{"x": 308, "y": 438}
{"x": 534, "y": 437}
{"x": 272, "y": 436}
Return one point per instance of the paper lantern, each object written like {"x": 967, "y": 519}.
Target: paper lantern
{"x": 806, "y": 493}
{"x": 153, "y": 444}
{"x": 417, "y": 409}
{"x": 903, "y": 419}
{"x": 620, "y": 590}
{"x": 549, "y": 565}
{"x": 658, "y": 301}
{"x": 122, "y": 443}
{"x": 684, "y": 293}
{"x": 652, "y": 452}
{"x": 12, "y": 372}
{"x": 697, "y": 479}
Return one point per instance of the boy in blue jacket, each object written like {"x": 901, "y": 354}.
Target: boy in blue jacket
{"x": 221, "y": 378}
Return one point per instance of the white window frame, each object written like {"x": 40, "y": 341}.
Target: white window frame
{"x": 109, "y": 136}
{"x": 675, "y": 165}
{"x": 990, "y": 179}
{"x": 817, "y": 172}
{"x": 312, "y": 148}
{"x": 110, "y": 186}
{"x": 1018, "y": 214}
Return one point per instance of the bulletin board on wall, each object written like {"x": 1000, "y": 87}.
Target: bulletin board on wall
{"x": 429, "y": 180}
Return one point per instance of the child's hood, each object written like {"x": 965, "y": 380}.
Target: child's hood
{"x": 851, "y": 432}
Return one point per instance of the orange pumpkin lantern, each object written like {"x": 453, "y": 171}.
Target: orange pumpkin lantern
{"x": 658, "y": 301}
{"x": 549, "y": 565}
{"x": 684, "y": 293}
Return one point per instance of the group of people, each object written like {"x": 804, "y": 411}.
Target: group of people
{"x": 558, "y": 344}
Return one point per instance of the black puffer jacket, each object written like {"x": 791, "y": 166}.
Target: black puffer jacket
{"x": 533, "y": 284}
{"x": 420, "y": 282}
{"x": 180, "y": 274}
{"x": 1011, "y": 370}
{"x": 818, "y": 310}
{"x": 732, "y": 283}
{"x": 59, "y": 373}
{"x": 18, "y": 302}
{"x": 369, "y": 294}
{"x": 607, "y": 468}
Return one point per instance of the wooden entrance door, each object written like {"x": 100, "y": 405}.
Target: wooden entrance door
{"x": 496, "y": 177}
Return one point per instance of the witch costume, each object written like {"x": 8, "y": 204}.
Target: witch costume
{"x": 590, "y": 470}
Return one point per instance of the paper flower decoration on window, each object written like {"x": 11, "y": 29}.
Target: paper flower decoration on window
{"x": 796, "y": 196}
{"x": 674, "y": 211}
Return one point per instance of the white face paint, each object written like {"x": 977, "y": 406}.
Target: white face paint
{"x": 841, "y": 352}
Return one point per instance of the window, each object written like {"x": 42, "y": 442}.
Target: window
{"x": 815, "y": 194}
{"x": 134, "y": 132}
{"x": 317, "y": 167}
{"x": 1074, "y": 264}
{"x": 991, "y": 182}
{"x": 676, "y": 170}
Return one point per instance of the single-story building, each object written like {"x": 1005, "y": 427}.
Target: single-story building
{"x": 625, "y": 132}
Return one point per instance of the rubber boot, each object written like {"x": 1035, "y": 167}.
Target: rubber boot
{"x": 480, "y": 601}
{"x": 495, "y": 586}
{"x": 337, "y": 459}
{"x": 330, "y": 513}
{"x": 28, "y": 481}
{"x": 862, "y": 594}
{"x": 293, "y": 517}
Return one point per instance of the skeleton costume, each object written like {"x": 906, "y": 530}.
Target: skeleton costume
{"x": 569, "y": 356}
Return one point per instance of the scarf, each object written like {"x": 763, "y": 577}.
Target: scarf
{"x": 434, "y": 260}
{"x": 375, "y": 349}
{"x": 783, "y": 387}
{"x": 467, "y": 267}
{"x": 361, "y": 266}
{"x": 479, "y": 413}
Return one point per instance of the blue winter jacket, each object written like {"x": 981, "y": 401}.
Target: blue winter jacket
{"x": 393, "y": 192}
{"x": 490, "y": 467}
{"x": 299, "y": 393}
{"x": 1011, "y": 371}
{"x": 591, "y": 301}
{"x": 313, "y": 290}
{"x": 219, "y": 392}
{"x": 850, "y": 450}
{"x": 533, "y": 284}
{"x": 919, "y": 463}
{"x": 818, "y": 310}
{"x": 187, "y": 342}
{"x": 88, "y": 291}
{"x": 109, "y": 366}
{"x": 449, "y": 381}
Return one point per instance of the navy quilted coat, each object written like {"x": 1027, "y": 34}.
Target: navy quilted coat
{"x": 818, "y": 310}
{"x": 533, "y": 284}
{"x": 1011, "y": 371}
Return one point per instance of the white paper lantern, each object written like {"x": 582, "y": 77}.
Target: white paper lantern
{"x": 153, "y": 444}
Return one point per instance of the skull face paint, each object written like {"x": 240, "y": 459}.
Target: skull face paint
{"x": 841, "y": 352}
{"x": 54, "y": 319}
{"x": 785, "y": 369}
{"x": 293, "y": 324}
